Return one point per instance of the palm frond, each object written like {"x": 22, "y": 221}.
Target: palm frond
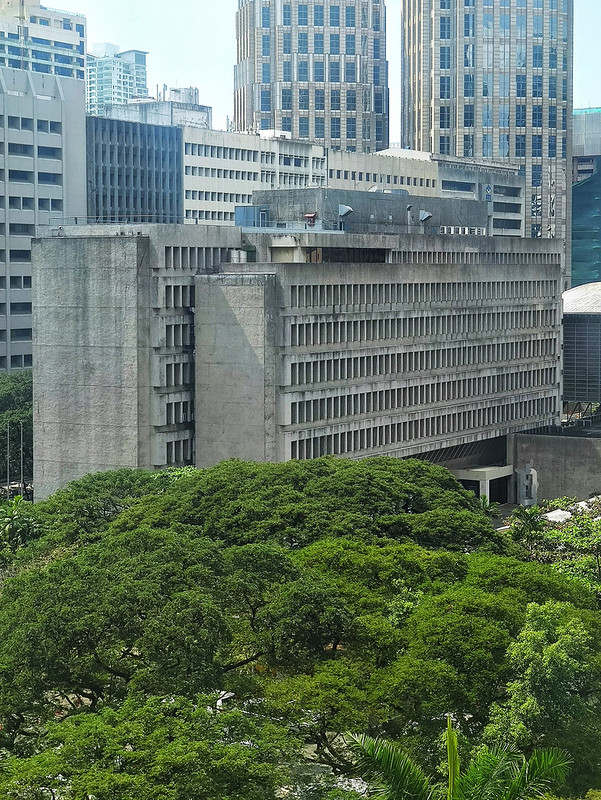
{"x": 488, "y": 775}
{"x": 544, "y": 770}
{"x": 395, "y": 775}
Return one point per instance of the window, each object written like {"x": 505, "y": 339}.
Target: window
{"x": 266, "y": 46}
{"x": 520, "y": 145}
{"x": 552, "y": 147}
{"x": 303, "y": 42}
{"x": 537, "y": 56}
{"x": 335, "y": 99}
{"x": 320, "y": 100}
{"x": 351, "y": 128}
{"x": 334, "y": 16}
{"x": 537, "y": 116}
{"x": 487, "y": 116}
{"x": 351, "y": 100}
{"x": 350, "y": 72}
{"x": 468, "y": 116}
{"x": 504, "y": 145}
{"x": 303, "y": 127}
{"x": 335, "y": 71}
{"x": 286, "y": 43}
{"x": 445, "y": 27}
{"x": 287, "y": 99}
{"x": 445, "y": 57}
{"x": 376, "y": 78}
{"x": 487, "y": 145}
{"x": 445, "y": 145}
{"x": 335, "y": 128}
{"x": 553, "y": 58}
{"x": 537, "y": 86}
{"x": 265, "y": 100}
{"x": 266, "y": 73}
{"x": 376, "y": 49}
{"x": 520, "y": 116}
{"x": 445, "y": 87}
{"x": 520, "y": 86}
{"x": 319, "y": 71}
{"x": 468, "y": 56}
{"x": 286, "y": 14}
{"x": 468, "y": 145}
{"x": 350, "y": 16}
{"x": 504, "y": 116}
{"x": 552, "y": 116}
{"x": 487, "y": 85}
{"x": 318, "y": 43}
{"x": 379, "y": 103}
{"x": 320, "y": 131}
{"x": 287, "y": 71}
{"x": 537, "y": 174}
{"x": 468, "y": 25}
{"x": 303, "y": 14}
{"x": 303, "y": 99}
{"x": 537, "y": 26}
{"x": 445, "y": 117}
{"x": 20, "y": 335}
{"x": 303, "y": 70}
{"x": 335, "y": 44}
{"x": 318, "y": 17}
{"x": 552, "y": 87}
{"x": 287, "y": 123}
{"x": 265, "y": 17}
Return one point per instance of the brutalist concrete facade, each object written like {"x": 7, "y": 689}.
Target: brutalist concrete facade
{"x": 165, "y": 345}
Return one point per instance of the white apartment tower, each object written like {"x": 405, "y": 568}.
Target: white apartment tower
{"x": 114, "y": 77}
{"x": 493, "y": 79}
{"x": 315, "y": 69}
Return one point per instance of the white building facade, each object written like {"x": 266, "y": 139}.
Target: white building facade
{"x": 114, "y": 77}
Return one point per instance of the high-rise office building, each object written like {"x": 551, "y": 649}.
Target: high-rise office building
{"x": 493, "y": 79}
{"x": 315, "y": 69}
{"x": 114, "y": 77}
{"x": 41, "y": 39}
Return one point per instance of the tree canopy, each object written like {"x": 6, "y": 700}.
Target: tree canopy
{"x": 289, "y": 603}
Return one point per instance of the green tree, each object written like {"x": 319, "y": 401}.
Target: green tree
{"x": 553, "y": 698}
{"x": 155, "y": 748}
{"x": 527, "y": 525}
{"x": 16, "y": 408}
{"x": 497, "y": 773}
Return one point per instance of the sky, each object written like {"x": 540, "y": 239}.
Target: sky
{"x": 192, "y": 43}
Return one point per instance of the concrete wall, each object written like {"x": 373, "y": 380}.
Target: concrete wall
{"x": 235, "y": 368}
{"x": 567, "y": 466}
{"x": 91, "y": 378}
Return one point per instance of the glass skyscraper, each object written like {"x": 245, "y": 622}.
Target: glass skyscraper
{"x": 493, "y": 79}
{"x": 317, "y": 70}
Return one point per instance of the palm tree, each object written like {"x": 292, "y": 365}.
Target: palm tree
{"x": 488, "y": 507}
{"x": 493, "y": 774}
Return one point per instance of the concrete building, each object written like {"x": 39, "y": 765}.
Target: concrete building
{"x": 41, "y": 39}
{"x": 582, "y": 345}
{"x": 316, "y": 70}
{"x": 42, "y": 175}
{"x": 134, "y": 171}
{"x": 114, "y": 77}
{"x": 493, "y": 79}
{"x": 293, "y": 339}
{"x": 221, "y": 170}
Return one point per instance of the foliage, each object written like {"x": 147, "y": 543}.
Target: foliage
{"x": 320, "y": 597}
{"x": 153, "y": 748}
{"x": 16, "y": 407}
{"x": 501, "y": 774}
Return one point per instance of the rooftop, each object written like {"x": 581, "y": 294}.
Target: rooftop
{"x": 584, "y": 299}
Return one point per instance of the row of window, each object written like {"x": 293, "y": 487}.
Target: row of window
{"x": 335, "y": 128}
{"x": 178, "y": 373}
{"x": 194, "y": 258}
{"x": 16, "y": 361}
{"x": 503, "y": 88}
{"x": 375, "y": 177}
{"x": 347, "y": 16}
{"x": 16, "y": 282}
{"x": 318, "y": 98}
{"x": 470, "y": 150}
{"x": 180, "y": 451}
{"x": 504, "y": 118}
{"x": 325, "y": 370}
{"x": 179, "y": 295}
{"x": 216, "y": 151}
{"x": 521, "y": 29}
{"x": 177, "y": 412}
{"x": 219, "y": 197}
{"x": 196, "y": 213}
{"x": 304, "y": 334}
{"x": 350, "y": 405}
{"x": 178, "y": 334}
{"x": 518, "y": 56}
{"x": 358, "y": 294}
{"x": 315, "y": 70}
{"x": 211, "y": 172}
{"x": 379, "y": 436}
{"x": 28, "y": 124}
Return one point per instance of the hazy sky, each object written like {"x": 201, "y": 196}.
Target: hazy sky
{"x": 192, "y": 43}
